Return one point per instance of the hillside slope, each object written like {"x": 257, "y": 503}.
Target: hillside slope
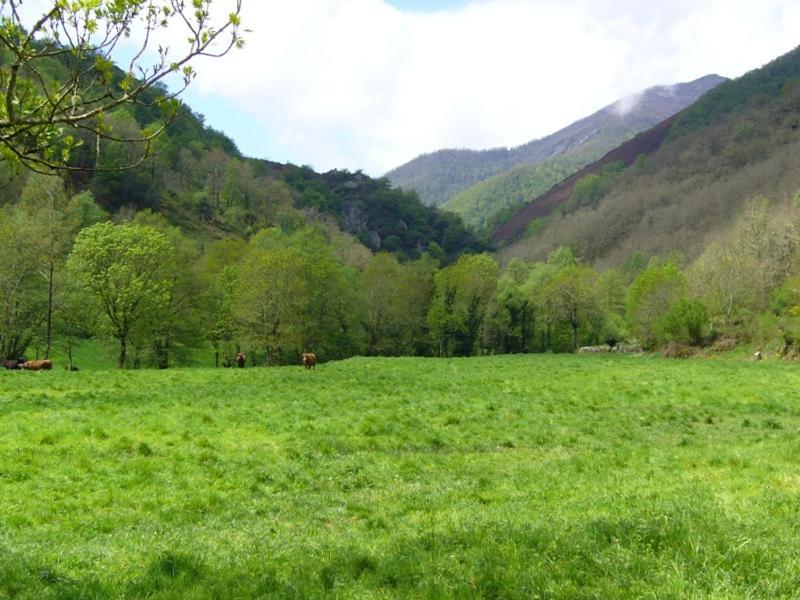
{"x": 441, "y": 175}
{"x": 493, "y": 201}
{"x": 197, "y": 178}
{"x": 738, "y": 143}
{"x": 642, "y": 145}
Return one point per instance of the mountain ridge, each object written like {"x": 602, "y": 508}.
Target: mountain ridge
{"x": 740, "y": 143}
{"x": 439, "y": 176}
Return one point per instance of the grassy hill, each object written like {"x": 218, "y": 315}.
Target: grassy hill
{"x": 442, "y": 175}
{"x": 521, "y": 476}
{"x": 738, "y": 143}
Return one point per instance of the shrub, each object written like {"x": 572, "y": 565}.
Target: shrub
{"x": 685, "y": 322}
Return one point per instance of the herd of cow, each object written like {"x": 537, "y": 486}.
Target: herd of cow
{"x": 29, "y": 365}
{"x": 308, "y": 360}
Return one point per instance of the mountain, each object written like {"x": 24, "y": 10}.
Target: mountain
{"x": 676, "y": 186}
{"x": 441, "y": 175}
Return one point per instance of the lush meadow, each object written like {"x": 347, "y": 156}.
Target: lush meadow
{"x": 522, "y": 476}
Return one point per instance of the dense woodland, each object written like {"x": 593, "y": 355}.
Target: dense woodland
{"x": 70, "y": 271}
{"x": 199, "y": 247}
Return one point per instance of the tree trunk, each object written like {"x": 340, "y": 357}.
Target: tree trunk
{"x": 123, "y": 350}
{"x": 49, "y": 336}
{"x": 163, "y": 356}
{"x": 574, "y": 323}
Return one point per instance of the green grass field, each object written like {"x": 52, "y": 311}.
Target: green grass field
{"x": 523, "y": 476}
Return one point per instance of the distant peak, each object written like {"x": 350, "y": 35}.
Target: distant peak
{"x": 658, "y": 93}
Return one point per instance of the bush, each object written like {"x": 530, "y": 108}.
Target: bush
{"x": 686, "y": 322}
{"x": 650, "y": 299}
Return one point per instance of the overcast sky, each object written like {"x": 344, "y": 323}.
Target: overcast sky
{"x": 370, "y": 84}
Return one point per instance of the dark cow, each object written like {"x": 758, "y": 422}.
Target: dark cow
{"x": 38, "y": 365}
{"x": 12, "y": 365}
{"x": 309, "y": 360}
{"x": 241, "y": 360}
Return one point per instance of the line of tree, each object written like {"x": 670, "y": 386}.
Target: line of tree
{"x": 70, "y": 272}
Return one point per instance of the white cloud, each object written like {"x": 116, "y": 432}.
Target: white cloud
{"x": 360, "y": 84}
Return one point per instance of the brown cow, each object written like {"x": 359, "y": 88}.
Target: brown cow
{"x": 38, "y": 365}
{"x": 309, "y": 360}
{"x": 241, "y": 360}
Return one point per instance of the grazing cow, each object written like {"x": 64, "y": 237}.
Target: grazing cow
{"x": 309, "y": 360}
{"x": 241, "y": 360}
{"x": 12, "y": 365}
{"x": 38, "y": 365}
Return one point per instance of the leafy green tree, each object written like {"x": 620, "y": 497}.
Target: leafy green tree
{"x": 735, "y": 275}
{"x": 271, "y": 289}
{"x": 786, "y": 297}
{"x": 383, "y": 305}
{"x": 184, "y": 321}
{"x": 634, "y": 264}
{"x": 510, "y": 318}
{"x": 22, "y": 297}
{"x": 728, "y": 281}
{"x": 562, "y": 257}
{"x": 545, "y": 329}
{"x": 223, "y": 331}
{"x": 610, "y": 292}
{"x": 220, "y": 268}
{"x": 40, "y": 114}
{"x": 277, "y": 200}
{"x": 82, "y": 211}
{"x": 587, "y": 192}
{"x": 538, "y": 274}
{"x": 463, "y": 293}
{"x": 685, "y": 322}
{"x": 44, "y": 201}
{"x": 416, "y": 290}
{"x": 568, "y": 297}
{"x": 650, "y": 296}
{"x": 129, "y": 270}
{"x": 395, "y": 299}
{"x": 294, "y": 295}
{"x": 75, "y": 317}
